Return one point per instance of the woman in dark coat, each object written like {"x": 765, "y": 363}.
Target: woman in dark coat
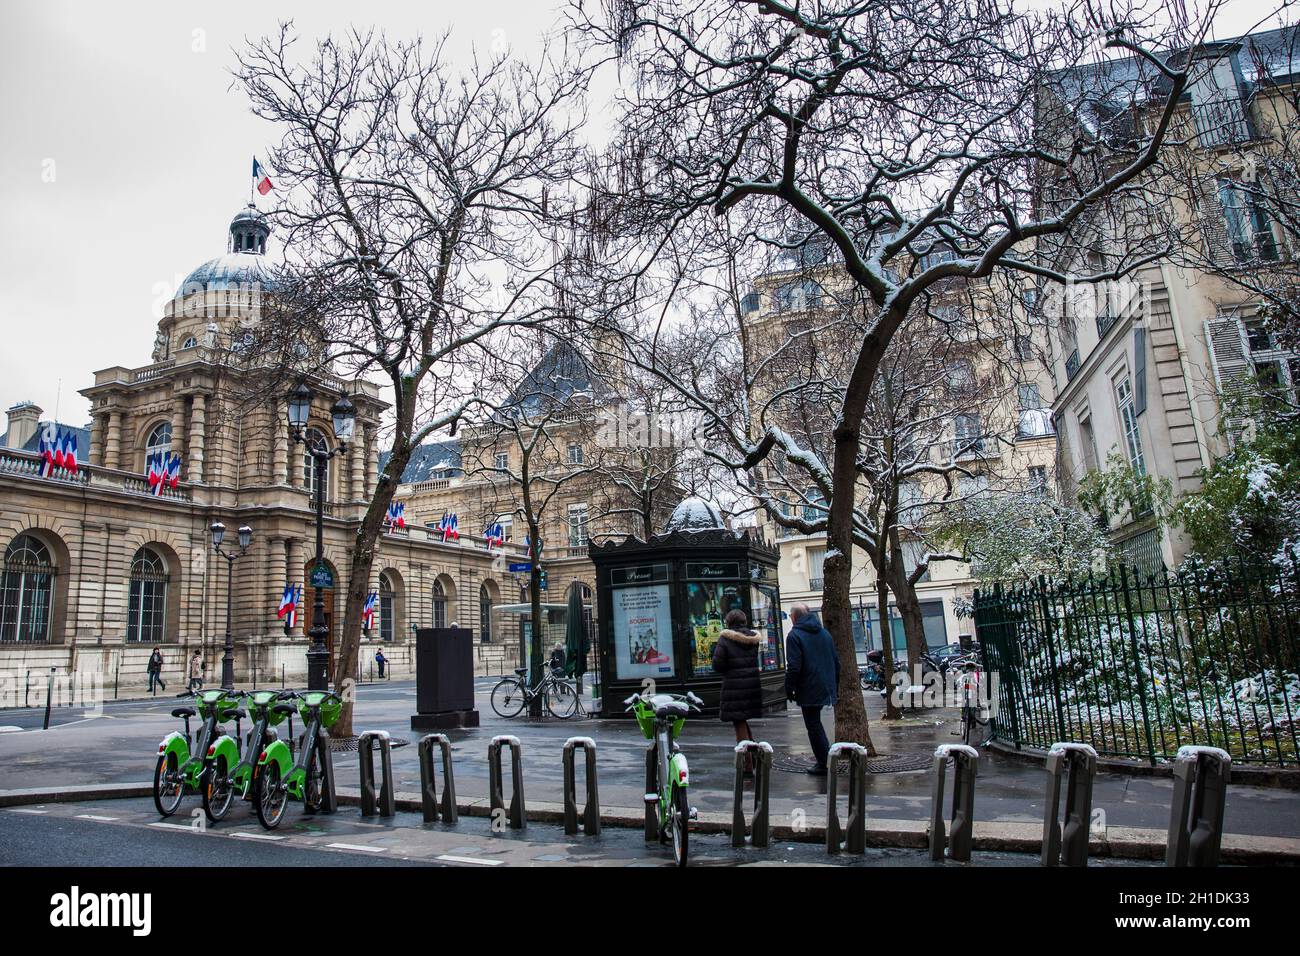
{"x": 735, "y": 657}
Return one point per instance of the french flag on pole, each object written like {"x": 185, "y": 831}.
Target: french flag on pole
{"x": 368, "y": 612}
{"x": 51, "y": 454}
{"x": 288, "y": 601}
{"x": 261, "y": 179}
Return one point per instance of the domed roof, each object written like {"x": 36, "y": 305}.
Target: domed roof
{"x": 249, "y": 214}
{"x": 694, "y": 514}
{"x": 233, "y": 271}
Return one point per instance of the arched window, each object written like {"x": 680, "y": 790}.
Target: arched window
{"x": 190, "y": 342}
{"x": 484, "y": 613}
{"x": 147, "y": 608}
{"x": 386, "y": 604}
{"x": 159, "y": 440}
{"x": 439, "y": 605}
{"x": 315, "y": 439}
{"x": 27, "y": 591}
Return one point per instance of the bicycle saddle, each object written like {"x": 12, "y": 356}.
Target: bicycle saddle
{"x": 236, "y": 714}
{"x": 283, "y": 709}
{"x": 669, "y": 707}
{"x": 184, "y": 712}
{"x": 521, "y": 671}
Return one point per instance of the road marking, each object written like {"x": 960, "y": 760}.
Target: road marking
{"x": 10, "y": 729}
{"x": 356, "y": 846}
{"x": 95, "y": 817}
{"x": 25, "y": 810}
{"x": 256, "y": 836}
{"x": 174, "y": 826}
{"x": 469, "y": 859}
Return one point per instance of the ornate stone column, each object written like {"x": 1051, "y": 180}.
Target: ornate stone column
{"x": 178, "y": 428}
{"x": 198, "y": 436}
{"x": 371, "y": 463}
{"x": 96, "y": 450}
{"x": 113, "y": 444}
{"x": 280, "y": 446}
{"x": 358, "y": 455}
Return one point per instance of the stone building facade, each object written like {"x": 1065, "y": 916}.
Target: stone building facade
{"x": 98, "y": 568}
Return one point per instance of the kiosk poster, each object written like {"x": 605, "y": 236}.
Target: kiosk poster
{"x": 643, "y": 634}
{"x": 707, "y": 605}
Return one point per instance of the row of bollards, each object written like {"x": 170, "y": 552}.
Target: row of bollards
{"x": 1201, "y": 777}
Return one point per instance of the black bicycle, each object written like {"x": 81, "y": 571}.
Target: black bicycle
{"x": 559, "y": 694}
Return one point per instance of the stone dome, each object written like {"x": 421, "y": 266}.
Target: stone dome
{"x": 244, "y": 265}
{"x": 694, "y": 514}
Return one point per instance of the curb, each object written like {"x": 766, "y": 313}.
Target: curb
{"x": 1270, "y": 777}
{"x": 1134, "y": 843}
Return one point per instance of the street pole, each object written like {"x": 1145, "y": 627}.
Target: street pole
{"x": 228, "y": 659}
{"x": 318, "y": 654}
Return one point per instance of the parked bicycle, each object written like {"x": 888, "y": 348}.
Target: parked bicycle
{"x": 179, "y": 768}
{"x": 661, "y": 718}
{"x": 279, "y": 777}
{"x": 229, "y": 774}
{"x": 973, "y": 712}
{"x": 559, "y": 695}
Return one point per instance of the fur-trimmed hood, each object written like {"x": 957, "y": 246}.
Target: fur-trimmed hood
{"x": 742, "y": 636}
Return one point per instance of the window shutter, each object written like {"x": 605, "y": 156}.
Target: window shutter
{"x": 1230, "y": 358}
{"x": 1214, "y": 226}
{"x": 1139, "y": 370}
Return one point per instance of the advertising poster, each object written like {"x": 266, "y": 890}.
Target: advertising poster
{"x": 707, "y": 604}
{"x": 643, "y": 634}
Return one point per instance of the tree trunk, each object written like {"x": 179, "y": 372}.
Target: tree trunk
{"x": 909, "y": 608}
{"x": 850, "y": 711}
{"x": 535, "y": 596}
{"x": 886, "y": 636}
{"x": 363, "y": 559}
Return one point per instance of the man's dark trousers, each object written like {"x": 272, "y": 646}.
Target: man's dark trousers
{"x": 812, "y": 718}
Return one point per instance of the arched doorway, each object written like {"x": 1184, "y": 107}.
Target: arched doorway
{"x": 324, "y": 578}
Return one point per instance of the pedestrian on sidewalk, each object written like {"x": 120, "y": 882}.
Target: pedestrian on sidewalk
{"x": 735, "y": 657}
{"x": 155, "y": 671}
{"x": 380, "y": 661}
{"x": 196, "y": 672}
{"x": 812, "y": 677}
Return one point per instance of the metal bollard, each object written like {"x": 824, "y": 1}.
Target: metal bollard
{"x": 761, "y": 829}
{"x": 651, "y": 796}
{"x": 429, "y": 783}
{"x": 1196, "y": 810}
{"x": 329, "y": 801}
{"x": 1068, "y": 845}
{"x": 965, "y": 760}
{"x": 853, "y": 835}
{"x": 591, "y": 810}
{"x": 496, "y": 795}
{"x": 382, "y": 801}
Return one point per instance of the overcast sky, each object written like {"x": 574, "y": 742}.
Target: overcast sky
{"x": 124, "y": 152}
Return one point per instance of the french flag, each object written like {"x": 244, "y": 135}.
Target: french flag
{"x": 261, "y": 178}
{"x": 368, "y": 612}
{"x": 288, "y": 601}
{"x": 49, "y": 450}
{"x": 70, "y": 453}
{"x": 172, "y": 476}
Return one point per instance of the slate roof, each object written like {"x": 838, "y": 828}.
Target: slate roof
{"x": 34, "y": 443}
{"x": 429, "y": 459}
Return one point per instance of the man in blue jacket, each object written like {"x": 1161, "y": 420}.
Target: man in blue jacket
{"x": 812, "y": 676}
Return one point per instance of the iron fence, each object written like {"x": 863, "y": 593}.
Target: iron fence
{"x": 1138, "y": 662}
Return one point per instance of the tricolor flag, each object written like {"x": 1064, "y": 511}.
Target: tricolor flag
{"x": 396, "y": 518}
{"x": 261, "y": 179}
{"x": 450, "y": 527}
{"x": 370, "y": 610}
{"x": 172, "y": 476}
{"x": 70, "y": 452}
{"x": 288, "y": 601}
{"x": 51, "y": 455}
{"x": 494, "y": 536}
{"x": 154, "y": 472}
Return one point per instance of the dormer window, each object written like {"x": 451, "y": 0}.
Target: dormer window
{"x": 190, "y": 343}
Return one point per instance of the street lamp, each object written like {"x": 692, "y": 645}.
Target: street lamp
{"x": 218, "y": 535}
{"x": 343, "y": 416}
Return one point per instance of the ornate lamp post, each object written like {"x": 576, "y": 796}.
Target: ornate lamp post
{"x": 218, "y": 535}
{"x": 344, "y": 416}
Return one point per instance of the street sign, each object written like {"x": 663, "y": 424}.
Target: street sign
{"x": 322, "y": 578}
{"x": 520, "y": 567}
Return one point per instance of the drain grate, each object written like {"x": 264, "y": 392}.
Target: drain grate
{"x": 884, "y": 763}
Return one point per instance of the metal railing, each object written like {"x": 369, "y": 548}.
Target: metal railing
{"x": 1138, "y": 663}
{"x": 1072, "y": 363}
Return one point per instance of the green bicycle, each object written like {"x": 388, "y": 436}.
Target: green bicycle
{"x": 178, "y": 768}
{"x": 230, "y": 775}
{"x": 661, "y": 718}
{"x": 279, "y": 777}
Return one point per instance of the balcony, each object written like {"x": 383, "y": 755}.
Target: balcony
{"x": 816, "y": 584}
{"x": 1035, "y": 423}
{"x": 23, "y": 464}
{"x": 1072, "y": 365}
{"x": 975, "y": 447}
{"x": 1104, "y": 325}
{"x": 1222, "y": 122}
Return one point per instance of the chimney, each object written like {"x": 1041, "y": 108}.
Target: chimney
{"x": 24, "y": 419}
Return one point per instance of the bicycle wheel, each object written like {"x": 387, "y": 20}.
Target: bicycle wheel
{"x": 679, "y": 815}
{"x": 562, "y": 699}
{"x": 311, "y": 787}
{"x": 269, "y": 798}
{"x": 218, "y": 793}
{"x": 509, "y": 698}
{"x": 168, "y": 788}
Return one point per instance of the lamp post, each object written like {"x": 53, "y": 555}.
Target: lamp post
{"x": 218, "y": 535}
{"x": 344, "y": 416}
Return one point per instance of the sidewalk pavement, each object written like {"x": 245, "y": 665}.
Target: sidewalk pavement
{"x": 119, "y": 747}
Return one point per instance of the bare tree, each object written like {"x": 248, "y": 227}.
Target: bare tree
{"x": 907, "y": 135}
{"x": 418, "y": 210}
